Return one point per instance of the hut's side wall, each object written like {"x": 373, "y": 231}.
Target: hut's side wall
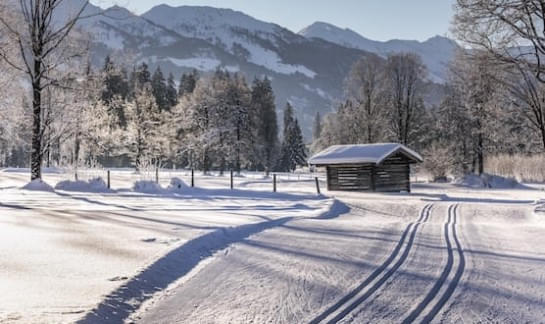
{"x": 392, "y": 175}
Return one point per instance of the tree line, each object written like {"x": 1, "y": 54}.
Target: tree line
{"x": 143, "y": 119}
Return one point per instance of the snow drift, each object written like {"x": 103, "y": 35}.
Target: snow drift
{"x": 177, "y": 185}
{"x": 93, "y": 185}
{"x": 38, "y": 185}
{"x": 488, "y": 181}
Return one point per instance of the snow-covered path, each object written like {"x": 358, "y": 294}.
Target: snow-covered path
{"x": 64, "y": 254}
{"x": 444, "y": 253}
{"x": 400, "y": 262}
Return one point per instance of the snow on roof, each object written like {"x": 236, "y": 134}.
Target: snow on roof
{"x": 363, "y": 153}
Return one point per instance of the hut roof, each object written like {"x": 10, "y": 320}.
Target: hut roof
{"x": 362, "y": 153}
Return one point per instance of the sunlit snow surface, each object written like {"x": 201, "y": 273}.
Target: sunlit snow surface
{"x": 213, "y": 255}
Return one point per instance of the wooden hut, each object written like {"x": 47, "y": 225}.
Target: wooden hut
{"x": 381, "y": 167}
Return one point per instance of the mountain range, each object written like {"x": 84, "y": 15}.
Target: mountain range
{"x": 306, "y": 68}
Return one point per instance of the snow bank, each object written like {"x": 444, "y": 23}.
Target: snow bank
{"x": 93, "y": 185}
{"x": 38, "y": 185}
{"x": 149, "y": 187}
{"x": 488, "y": 181}
{"x": 52, "y": 170}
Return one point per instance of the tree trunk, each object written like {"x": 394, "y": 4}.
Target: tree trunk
{"x": 480, "y": 154}
{"x": 36, "y": 153}
{"x": 543, "y": 135}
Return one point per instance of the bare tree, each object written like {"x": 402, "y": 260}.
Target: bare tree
{"x": 404, "y": 89}
{"x": 39, "y": 34}
{"x": 512, "y": 31}
{"x": 364, "y": 87}
{"x": 472, "y": 105}
{"x": 527, "y": 94}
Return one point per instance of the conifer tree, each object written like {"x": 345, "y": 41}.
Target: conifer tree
{"x": 293, "y": 148}
{"x": 171, "y": 92}
{"x": 265, "y": 122}
{"x": 159, "y": 89}
{"x": 188, "y": 82}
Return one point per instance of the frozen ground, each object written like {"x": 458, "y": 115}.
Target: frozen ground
{"x": 445, "y": 253}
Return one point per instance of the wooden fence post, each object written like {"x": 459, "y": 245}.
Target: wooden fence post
{"x": 317, "y": 185}
{"x": 232, "y": 186}
{"x": 192, "y": 178}
{"x": 108, "y": 176}
{"x": 76, "y": 175}
{"x": 157, "y": 175}
{"x": 274, "y": 182}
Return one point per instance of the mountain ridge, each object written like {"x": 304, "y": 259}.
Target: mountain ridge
{"x": 308, "y": 72}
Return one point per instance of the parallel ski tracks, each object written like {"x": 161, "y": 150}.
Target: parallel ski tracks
{"x": 438, "y": 295}
{"x": 358, "y": 295}
{"x": 433, "y": 294}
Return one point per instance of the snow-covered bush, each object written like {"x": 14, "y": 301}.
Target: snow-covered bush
{"x": 146, "y": 186}
{"x": 438, "y": 161}
{"x": 177, "y": 184}
{"x": 38, "y": 185}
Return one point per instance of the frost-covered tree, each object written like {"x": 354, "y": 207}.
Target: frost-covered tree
{"x": 471, "y": 110}
{"x": 508, "y": 31}
{"x": 143, "y": 122}
{"x": 42, "y": 54}
{"x": 404, "y": 89}
{"x": 365, "y": 88}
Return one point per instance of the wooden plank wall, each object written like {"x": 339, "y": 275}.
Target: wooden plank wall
{"x": 390, "y": 176}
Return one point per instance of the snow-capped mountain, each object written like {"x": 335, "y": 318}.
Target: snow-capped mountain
{"x": 435, "y": 52}
{"x": 308, "y": 72}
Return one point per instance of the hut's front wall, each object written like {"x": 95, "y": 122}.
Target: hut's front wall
{"x": 392, "y": 175}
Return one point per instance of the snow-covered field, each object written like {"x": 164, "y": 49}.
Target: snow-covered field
{"x": 445, "y": 253}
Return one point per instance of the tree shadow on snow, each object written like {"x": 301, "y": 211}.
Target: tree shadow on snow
{"x": 122, "y": 302}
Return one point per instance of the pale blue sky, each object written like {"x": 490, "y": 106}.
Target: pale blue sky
{"x": 374, "y": 19}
